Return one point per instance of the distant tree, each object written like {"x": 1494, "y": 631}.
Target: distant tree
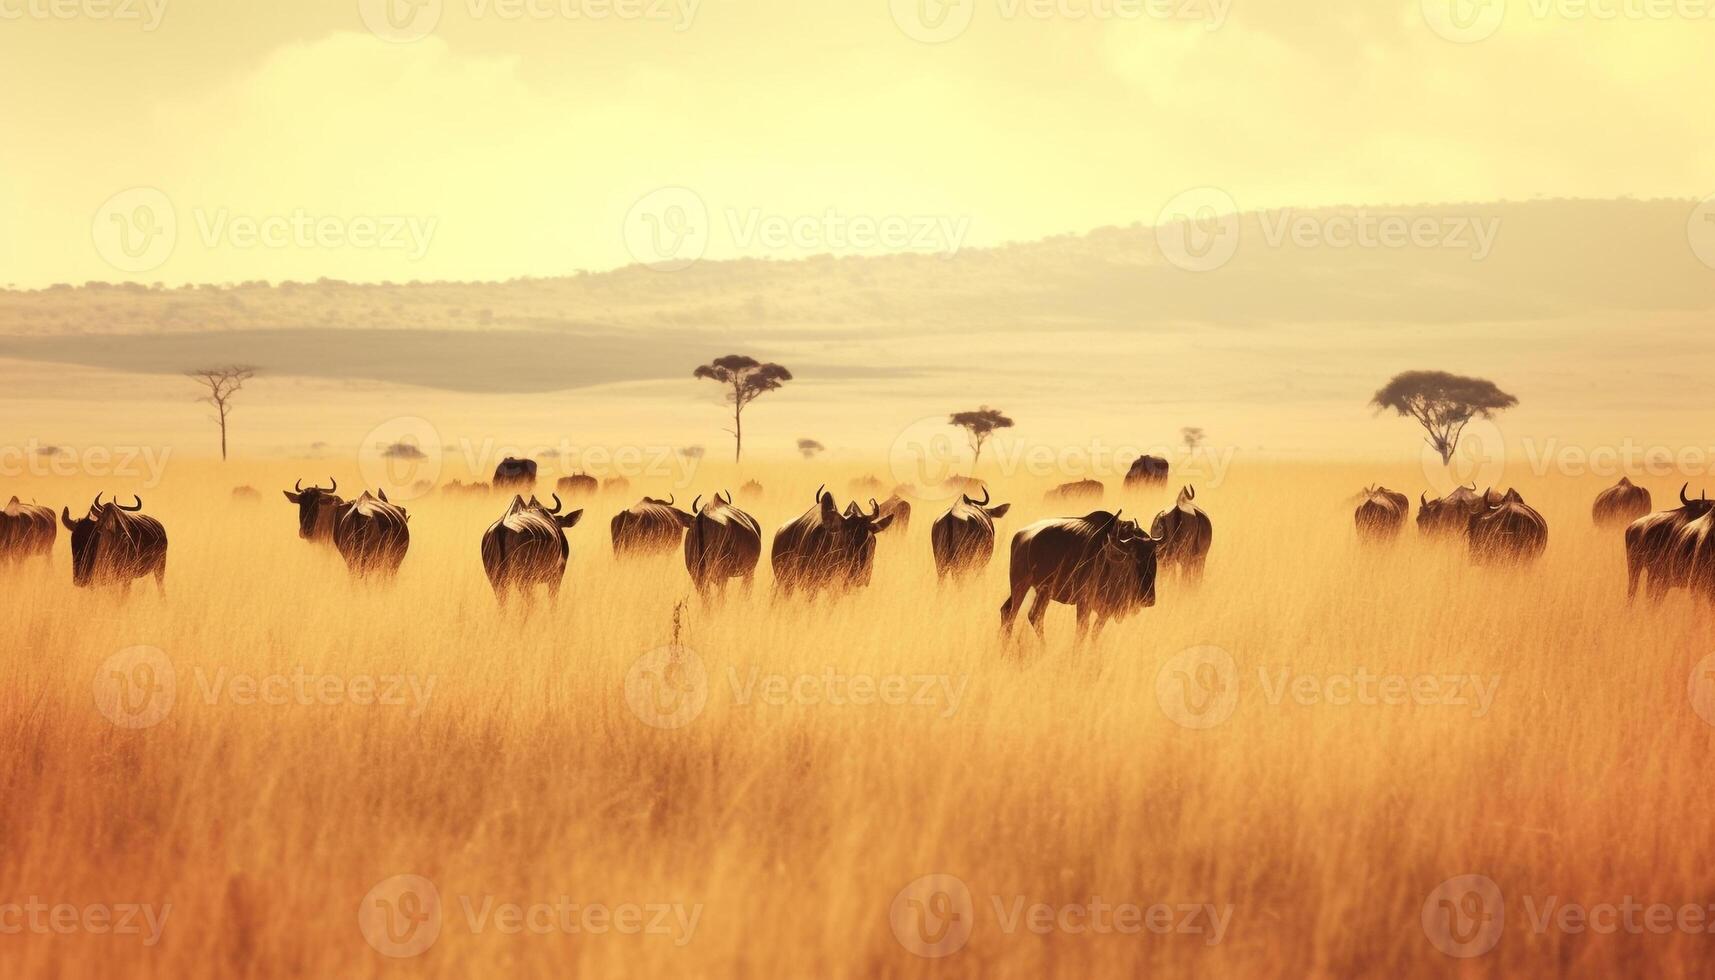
{"x": 978, "y": 426}
{"x": 222, "y": 383}
{"x": 749, "y": 379}
{"x": 692, "y": 452}
{"x": 810, "y": 447}
{"x": 1442, "y": 403}
{"x": 1193, "y": 437}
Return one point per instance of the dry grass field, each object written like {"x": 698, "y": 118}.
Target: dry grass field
{"x": 843, "y": 750}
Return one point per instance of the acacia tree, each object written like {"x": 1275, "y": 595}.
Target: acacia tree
{"x": 1442, "y": 403}
{"x": 1193, "y": 437}
{"x": 978, "y": 426}
{"x": 222, "y": 383}
{"x": 749, "y": 379}
{"x": 810, "y": 447}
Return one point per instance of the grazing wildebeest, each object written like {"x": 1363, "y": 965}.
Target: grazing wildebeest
{"x": 615, "y": 484}
{"x": 1674, "y": 547}
{"x": 899, "y": 509}
{"x": 1620, "y": 504}
{"x": 1507, "y": 531}
{"x": 1185, "y": 535}
{"x": 317, "y": 510}
{"x": 515, "y": 474}
{"x": 114, "y": 544}
{"x": 963, "y": 538}
{"x": 527, "y": 547}
{"x": 26, "y": 530}
{"x": 1099, "y": 563}
{"x": 865, "y": 484}
{"x": 751, "y": 490}
{"x": 1079, "y": 490}
{"x": 723, "y": 543}
{"x": 1381, "y": 513}
{"x": 577, "y": 485}
{"x": 825, "y": 549}
{"x": 1146, "y": 471}
{"x": 246, "y": 495}
{"x": 372, "y": 535}
{"x": 1449, "y": 515}
{"x": 648, "y": 527}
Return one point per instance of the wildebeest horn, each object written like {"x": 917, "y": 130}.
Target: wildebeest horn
{"x": 1682, "y": 490}
{"x": 136, "y": 506}
{"x": 985, "y": 496}
{"x": 695, "y": 501}
{"x": 728, "y": 495}
{"x": 1422, "y": 497}
{"x": 669, "y": 500}
{"x": 874, "y": 508}
{"x": 97, "y": 502}
{"x": 819, "y": 491}
{"x": 557, "y": 504}
{"x": 65, "y": 518}
{"x": 335, "y": 485}
{"x": 298, "y": 487}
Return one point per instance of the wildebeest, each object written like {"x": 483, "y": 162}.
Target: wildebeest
{"x": 1381, "y": 513}
{"x": 865, "y": 484}
{"x": 963, "y": 538}
{"x": 1079, "y": 490}
{"x": 515, "y": 474}
{"x": 460, "y": 488}
{"x": 26, "y": 530}
{"x": 113, "y": 545}
{"x": 1146, "y": 471}
{"x": 648, "y": 527}
{"x": 722, "y": 543}
{"x": 1622, "y": 503}
{"x": 1099, "y": 563}
{"x": 899, "y": 509}
{"x": 317, "y": 510}
{"x": 1449, "y": 515}
{"x": 1506, "y": 531}
{"x": 527, "y": 547}
{"x": 1185, "y": 535}
{"x": 615, "y": 484}
{"x": 577, "y": 485}
{"x": 1674, "y": 547}
{"x": 245, "y": 495}
{"x": 823, "y": 548}
{"x": 751, "y": 490}
{"x": 372, "y": 535}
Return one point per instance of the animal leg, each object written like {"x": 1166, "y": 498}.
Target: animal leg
{"x": 1038, "y": 610}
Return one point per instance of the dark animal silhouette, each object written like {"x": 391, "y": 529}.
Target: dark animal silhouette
{"x": 1099, "y": 563}
{"x": 246, "y": 495}
{"x": 962, "y": 539}
{"x": 1185, "y": 535}
{"x": 899, "y": 509}
{"x": 1449, "y": 515}
{"x": 1079, "y": 490}
{"x": 1620, "y": 504}
{"x": 577, "y": 485}
{"x": 648, "y": 527}
{"x": 26, "y": 530}
{"x": 1381, "y": 513}
{"x": 458, "y": 488}
{"x": 1510, "y": 531}
{"x": 1147, "y": 471}
{"x": 527, "y": 547}
{"x": 751, "y": 490}
{"x": 372, "y": 535}
{"x": 824, "y": 549}
{"x": 1674, "y": 548}
{"x": 722, "y": 543}
{"x": 112, "y": 545}
{"x": 515, "y": 474}
{"x": 317, "y": 510}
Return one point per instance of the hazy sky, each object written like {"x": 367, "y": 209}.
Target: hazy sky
{"x": 153, "y": 139}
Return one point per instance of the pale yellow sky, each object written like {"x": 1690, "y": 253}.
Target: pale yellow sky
{"x": 518, "y": 136}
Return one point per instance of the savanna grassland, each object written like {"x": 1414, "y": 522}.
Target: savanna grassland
{"x": 518, "y": 770}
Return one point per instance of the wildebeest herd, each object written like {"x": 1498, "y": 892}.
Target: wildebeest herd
{"x": 1101, "y": 563}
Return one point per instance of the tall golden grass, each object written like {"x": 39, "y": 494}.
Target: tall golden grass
{"x": 1054, "y": 775}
